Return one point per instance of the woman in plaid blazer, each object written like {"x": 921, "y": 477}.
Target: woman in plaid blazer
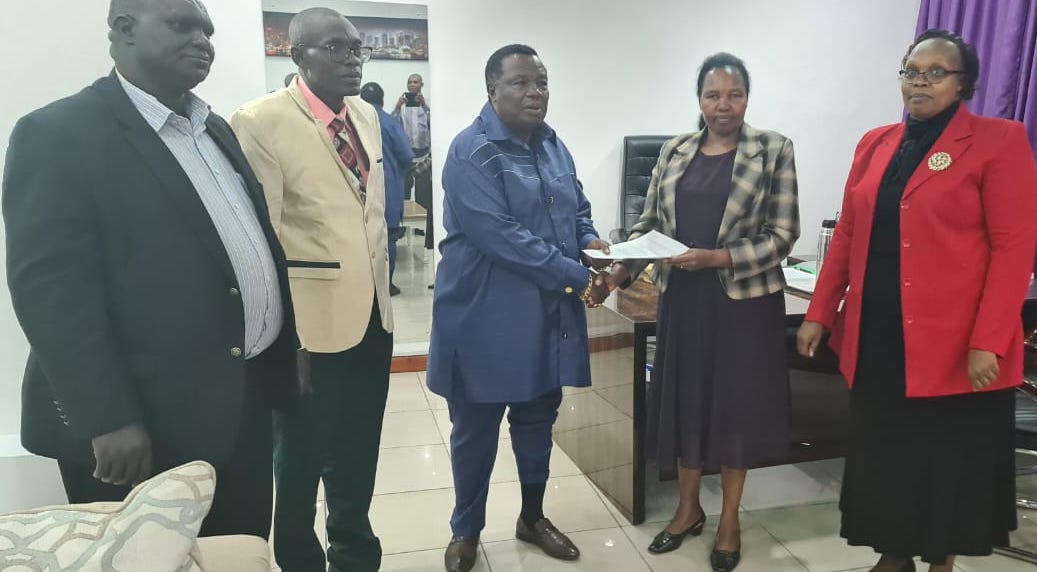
{"x": 718, "y": 398}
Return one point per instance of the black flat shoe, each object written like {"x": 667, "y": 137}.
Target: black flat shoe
{"x": 665, "y": 542}
{"x": 724, "y": 561}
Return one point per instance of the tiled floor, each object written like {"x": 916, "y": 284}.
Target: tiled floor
{"x": 790, "y": 520}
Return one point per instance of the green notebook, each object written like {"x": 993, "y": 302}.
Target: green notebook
{"x": 809, "y": 267}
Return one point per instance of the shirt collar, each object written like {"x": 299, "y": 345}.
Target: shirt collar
{"x": 320, "y": 110}
{"x": 156, "y": 114}
{"x": 497, "y": 131}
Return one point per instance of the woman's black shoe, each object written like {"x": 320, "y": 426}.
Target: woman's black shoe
{"x": 724, "y": 561}
{"x": 666, "y": 542}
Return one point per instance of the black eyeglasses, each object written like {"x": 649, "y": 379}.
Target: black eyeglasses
{"x": 339, "y": 52}
{"x": 932, "y": 76}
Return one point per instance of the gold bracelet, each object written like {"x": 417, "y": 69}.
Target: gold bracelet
{"x": 587, "y": 291}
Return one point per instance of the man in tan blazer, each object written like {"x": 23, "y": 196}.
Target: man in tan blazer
{"x": 317, "y": 150}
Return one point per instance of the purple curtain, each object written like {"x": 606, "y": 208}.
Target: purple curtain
{"x": 1005, "y": 35}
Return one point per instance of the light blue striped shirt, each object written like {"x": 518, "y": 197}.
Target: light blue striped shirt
{"x": 225, "y": 197}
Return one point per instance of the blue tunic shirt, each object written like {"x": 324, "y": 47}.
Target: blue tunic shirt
{"x": 507, "y": 321}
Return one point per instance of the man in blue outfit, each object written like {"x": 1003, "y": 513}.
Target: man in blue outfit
{"x": 397, "y": 157}
{"x": 508, "y": 326}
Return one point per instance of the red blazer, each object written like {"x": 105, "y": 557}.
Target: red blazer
{"x": 968, "y": 234}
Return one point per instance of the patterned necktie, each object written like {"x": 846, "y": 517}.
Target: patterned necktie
{"x": 345, "y": 149}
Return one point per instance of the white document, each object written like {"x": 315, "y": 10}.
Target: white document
{"x": 652, "y": 246}
{"x": 800, "y": 280}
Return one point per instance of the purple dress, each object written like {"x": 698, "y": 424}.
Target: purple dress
{"x": 719, "y": 393}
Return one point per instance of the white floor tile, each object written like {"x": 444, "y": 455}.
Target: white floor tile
{"x": 661, "y": 497}
{"x": 425, "y": 561}
{"x": 811, "y": 533}
{"x": 405, "y": 394}
{"x": 436, "y": 402}
{"x": 620, "y": 519}
{"x": 408, "y": 522}
{"x": 760, "y": 550}
{"x": 443, "y": 425}
{"x": 410, "y": 428}
{"x": 406, "y": 469}
{"x": 570, "y": 503}
{"x": 506, "y": 470}
{"x": 586, "y": 409}
{"x": 787, "y": 485}
{"x": 992, "y": 564}
{"x": 600, "y": 550}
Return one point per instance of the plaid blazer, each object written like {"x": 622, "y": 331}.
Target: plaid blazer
{"x": 761, "y": 221}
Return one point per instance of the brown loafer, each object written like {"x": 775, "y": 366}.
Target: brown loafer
{"x": 461, "y": 554}
{"x": 548, "y": 538}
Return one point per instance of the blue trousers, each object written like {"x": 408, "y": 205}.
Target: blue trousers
{"x": 473, "y": 450}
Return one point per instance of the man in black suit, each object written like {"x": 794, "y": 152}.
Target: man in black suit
{"x": 147, "y": 278}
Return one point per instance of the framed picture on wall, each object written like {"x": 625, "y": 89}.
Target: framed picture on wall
{"x": 390, "y": 38}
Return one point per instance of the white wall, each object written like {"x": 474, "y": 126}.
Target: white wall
{"x": 44, "y": 75}
{"x": 390, "y": 74}
{"x": 822, "y": 73}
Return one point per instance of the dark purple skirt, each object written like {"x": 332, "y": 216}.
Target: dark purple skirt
{"x": 719, "y": 391}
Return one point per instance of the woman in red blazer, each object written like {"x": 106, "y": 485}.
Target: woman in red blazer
{"x": 923, "y": 288}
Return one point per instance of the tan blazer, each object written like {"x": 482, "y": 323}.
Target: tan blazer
{"x": 337, "y": 247}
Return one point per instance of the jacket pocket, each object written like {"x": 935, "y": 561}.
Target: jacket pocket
{"x": 317, "y": 270}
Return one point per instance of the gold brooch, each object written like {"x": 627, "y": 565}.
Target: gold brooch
{"x": 939, "y": 161}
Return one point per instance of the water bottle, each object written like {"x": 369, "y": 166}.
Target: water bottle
{"x": 824, "y": 239}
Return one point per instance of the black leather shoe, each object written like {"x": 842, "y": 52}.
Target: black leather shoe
{"x": 461, "y": 554}
{"x": 548, "y": 538}
{"x": 665, "y": 542}
{"x": 724, "y": 561}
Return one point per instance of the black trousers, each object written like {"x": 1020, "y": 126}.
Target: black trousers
{"x": 422, "y": 189}
{"x": 244, "y": 484}
{"x": 333, "y": 436}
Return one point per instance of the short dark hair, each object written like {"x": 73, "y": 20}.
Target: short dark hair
{"x": 717, "y": 61}
{"x": 722, "y": 60}
{"x": 302, "y": 24}
{"x": 495, "y": 65}
{"x": 373, "y": 93}
{"x": 967, "y": 51}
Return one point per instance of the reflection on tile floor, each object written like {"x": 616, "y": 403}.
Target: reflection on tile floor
{"x": 790, "y": 519}
{"x": 412, "y": 307}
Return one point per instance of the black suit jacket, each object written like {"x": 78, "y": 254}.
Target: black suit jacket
{"x": 123, "y": 287}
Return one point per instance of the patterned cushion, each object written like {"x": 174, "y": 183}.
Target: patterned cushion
{"x": 154, "y": 529}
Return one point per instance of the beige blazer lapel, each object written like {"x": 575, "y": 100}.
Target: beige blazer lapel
{"x": 322, "y": 131}
{"x": 367, "y": 130}
{"x": 745, "y": 181}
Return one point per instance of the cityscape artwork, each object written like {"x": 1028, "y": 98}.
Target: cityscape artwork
{"x": 389, "y": 38}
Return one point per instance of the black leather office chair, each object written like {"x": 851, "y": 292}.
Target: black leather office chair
{"x": 640, "y": 153}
